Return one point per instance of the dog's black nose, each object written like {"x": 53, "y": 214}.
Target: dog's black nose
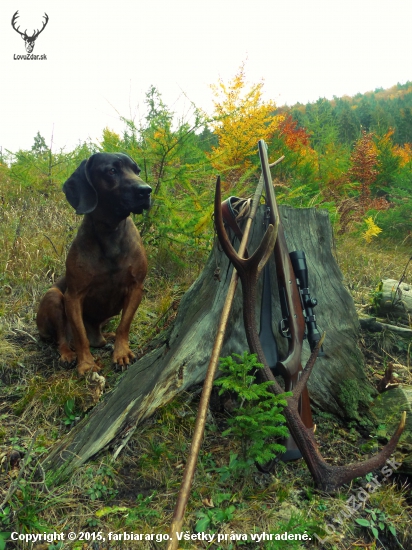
{"x": 144, "y": 190}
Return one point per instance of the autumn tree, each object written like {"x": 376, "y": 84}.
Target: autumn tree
{"x": 297, "y": 173}
{"x": 241, "y": 118}
{"x": 295, "y": 136}
{"x": 363, "y": 171}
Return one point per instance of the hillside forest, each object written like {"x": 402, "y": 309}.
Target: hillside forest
{"x": 351, "y": 155}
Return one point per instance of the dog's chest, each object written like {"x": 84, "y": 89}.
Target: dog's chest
{"x": 110, "y": 285}
{"x": 117, "y": 265}
{"x": 113, "y": 254}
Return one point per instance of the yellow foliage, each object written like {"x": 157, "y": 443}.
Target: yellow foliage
{"x": 387, "y": 138}
{"x": 241, "y": 118}
{"x": 110, "y": 141}
{"x": 404, "y": 153}
{"x": 203, "y": 222}
{"x": 372, "y": 231}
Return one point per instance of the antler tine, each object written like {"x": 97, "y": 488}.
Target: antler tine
{"x": 13, "y": 22}
{"x": 303, "y": 380}
{"x": 258, "y": 259}
{"x": 36, "y": 34}
{"x": 220, "y": 228}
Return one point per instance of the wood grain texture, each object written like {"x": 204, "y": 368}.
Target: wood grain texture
{"x": 180, "y": 356}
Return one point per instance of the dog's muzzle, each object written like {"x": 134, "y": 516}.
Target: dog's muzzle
{"x": 141, "y": 198}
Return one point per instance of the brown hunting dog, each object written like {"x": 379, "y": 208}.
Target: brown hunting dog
{"x": 106, "y": 263}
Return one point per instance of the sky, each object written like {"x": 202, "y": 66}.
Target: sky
{"x": 102, "y": 57}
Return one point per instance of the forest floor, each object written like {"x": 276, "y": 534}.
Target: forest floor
{"x": 136, "y": 493}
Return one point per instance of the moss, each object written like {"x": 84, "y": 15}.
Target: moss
{"x": 353, "y": 397}
{"x": 388, "y": 408}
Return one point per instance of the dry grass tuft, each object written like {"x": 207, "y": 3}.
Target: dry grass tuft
{"x": 364, "y": 265}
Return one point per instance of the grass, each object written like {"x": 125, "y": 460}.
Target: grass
{"x": 364, "y": 265}
{"x": 137, "y": 492}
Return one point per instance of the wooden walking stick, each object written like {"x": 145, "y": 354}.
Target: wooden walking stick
{"x": 190, "y": 467}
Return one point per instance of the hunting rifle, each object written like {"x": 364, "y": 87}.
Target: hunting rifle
{"x": 298, "y": 320}
{"x": 295, "y": 301}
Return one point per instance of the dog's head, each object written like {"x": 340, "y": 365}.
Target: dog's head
{"x": 110, "y": 180}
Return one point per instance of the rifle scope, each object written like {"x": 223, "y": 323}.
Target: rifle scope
{"x": 300, "y": 267}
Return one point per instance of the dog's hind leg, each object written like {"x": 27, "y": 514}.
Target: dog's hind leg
{"x": 52, "y": 323}
{"x": 96, "y": 338}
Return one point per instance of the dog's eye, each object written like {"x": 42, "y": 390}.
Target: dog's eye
{"x": 112, "y": 171}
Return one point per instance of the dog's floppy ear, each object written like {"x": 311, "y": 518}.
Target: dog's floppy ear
{"x": 79, "y": 189}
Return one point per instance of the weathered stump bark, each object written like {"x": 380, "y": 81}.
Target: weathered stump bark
{"x": 180, "y": 356}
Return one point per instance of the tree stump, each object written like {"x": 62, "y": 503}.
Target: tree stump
{"x": 179, "y": 357}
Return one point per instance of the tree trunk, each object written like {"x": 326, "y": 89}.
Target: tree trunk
{"x": 179, "y": 357}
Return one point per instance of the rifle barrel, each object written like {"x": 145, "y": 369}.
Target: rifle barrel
{"x": 291, "y": 365}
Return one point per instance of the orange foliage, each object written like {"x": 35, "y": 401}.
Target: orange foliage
{"x": 294, "y": 137}
{"x": 378, "y": 203}
{"x": 387, "y": 138}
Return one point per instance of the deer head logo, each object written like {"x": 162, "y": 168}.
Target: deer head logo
{"x": 28, "y": 40}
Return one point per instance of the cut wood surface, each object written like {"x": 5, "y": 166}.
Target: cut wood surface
{"x": 179, "y": 357}
{"x": 396, "y": 301}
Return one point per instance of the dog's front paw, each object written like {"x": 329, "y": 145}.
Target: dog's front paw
{"x": 122, "y": 355}
{"x": 67, "y": 357}
{"x": 86, "y": 366}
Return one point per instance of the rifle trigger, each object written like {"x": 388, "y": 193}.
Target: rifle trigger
{"x": 284, "y": 328}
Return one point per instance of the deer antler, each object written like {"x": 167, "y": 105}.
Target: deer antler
{"x": 13, "y": 24}
{"x": 325, "y": 476}
{"x": 35, "y": 35}
{"x": 28, "y": 40}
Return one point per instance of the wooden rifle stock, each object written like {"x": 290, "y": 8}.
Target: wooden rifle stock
{"x": 289, "y": 368}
